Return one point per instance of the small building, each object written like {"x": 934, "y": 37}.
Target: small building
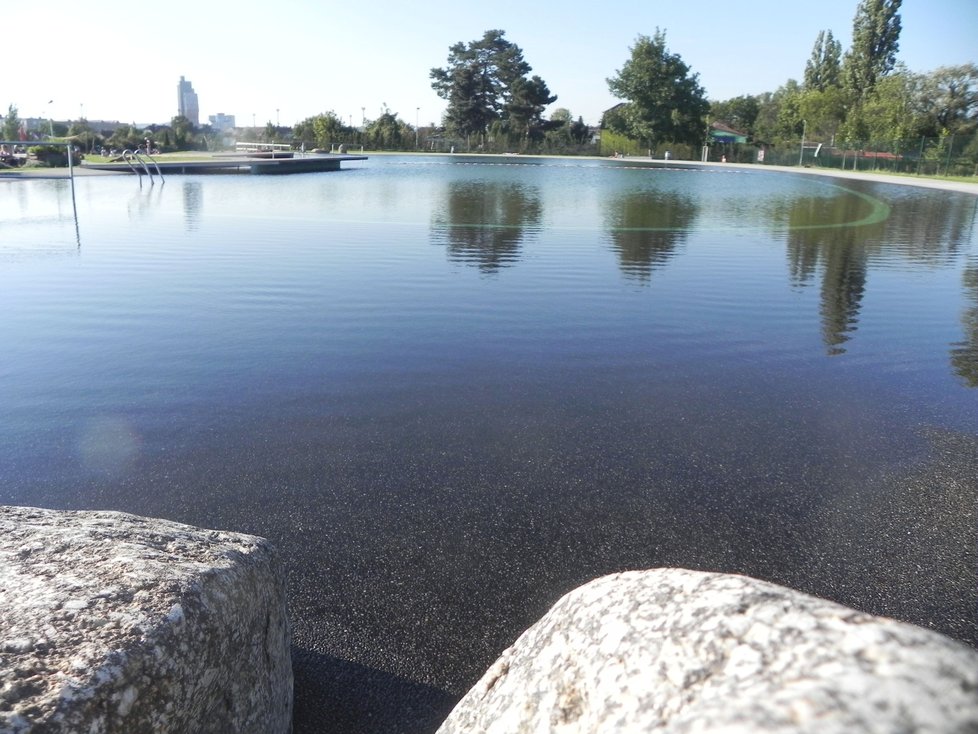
{"x": 723, "y": 140}
{"x": 721, "y": 132}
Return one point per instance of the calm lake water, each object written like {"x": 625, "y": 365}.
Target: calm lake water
{"x": 450, "y": 389}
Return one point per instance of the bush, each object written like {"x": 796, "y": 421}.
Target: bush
{"x": 53, "y": 156}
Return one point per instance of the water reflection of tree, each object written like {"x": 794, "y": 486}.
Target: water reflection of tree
{"x": 931, "y": 230}
{"x": 843, "y": 286}
{"x": 485, "y": 223}
{"x": 842, "y": 254}
{"x": 646, "y": 227}
{"x": 964, "y": 354}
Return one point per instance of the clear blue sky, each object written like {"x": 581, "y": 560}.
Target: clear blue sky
{"x": 290, "y": 59}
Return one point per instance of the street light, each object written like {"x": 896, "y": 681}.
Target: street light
{"x": 804, "y": 128}
{"x": 417, "y": 116}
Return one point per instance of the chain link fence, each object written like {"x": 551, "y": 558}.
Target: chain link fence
{"x": 953, "y": 155}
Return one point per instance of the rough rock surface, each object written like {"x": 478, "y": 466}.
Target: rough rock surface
{"x": 670, "y": 650}
{"x": 116, "y": 623}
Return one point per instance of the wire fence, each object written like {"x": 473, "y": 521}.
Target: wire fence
{"x": 953, "y": 155}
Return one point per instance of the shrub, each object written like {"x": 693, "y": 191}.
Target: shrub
{"x": 53, "y": 156}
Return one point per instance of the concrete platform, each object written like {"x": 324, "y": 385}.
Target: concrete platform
{"x": 312, "y": 162}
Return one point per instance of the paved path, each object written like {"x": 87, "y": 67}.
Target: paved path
{"x": 14, "y": 173}
{"x": 920, "y": 181}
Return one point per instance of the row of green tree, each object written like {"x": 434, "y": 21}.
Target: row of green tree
{"x": 860, "y": 96}
{"x": 389, "y": 132}
{"x": 863, "y": 94}
{"x": 494, "y": 103}
{"x": 180, "y": 134}
{"x": 856, "y": 96}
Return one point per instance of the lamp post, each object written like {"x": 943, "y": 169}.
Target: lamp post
{"x": 801, "y": 153}
{"x": 417, "y": 117}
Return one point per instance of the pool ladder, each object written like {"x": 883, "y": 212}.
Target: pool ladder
{"x": 142, "y": 161}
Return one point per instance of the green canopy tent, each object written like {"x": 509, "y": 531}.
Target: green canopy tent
{"x": 723, "y": 135}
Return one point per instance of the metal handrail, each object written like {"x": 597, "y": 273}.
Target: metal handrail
{"x": 128, "y": 156}
{"x": 140, "y": 157}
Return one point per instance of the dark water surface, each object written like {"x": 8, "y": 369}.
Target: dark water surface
{"x": 450, "y": 390}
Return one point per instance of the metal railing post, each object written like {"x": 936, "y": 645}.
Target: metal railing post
{"x": 71, "y": 175}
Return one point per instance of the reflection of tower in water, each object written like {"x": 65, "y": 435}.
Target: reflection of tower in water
{"x": 193, "y": 203}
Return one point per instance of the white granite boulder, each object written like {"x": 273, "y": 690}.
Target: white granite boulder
{"x": 670, "y": 650}
{"x": 116, "y": 623}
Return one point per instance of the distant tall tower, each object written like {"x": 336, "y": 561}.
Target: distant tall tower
{"x": 187, "y": 102}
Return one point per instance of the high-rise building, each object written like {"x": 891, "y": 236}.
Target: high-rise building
{"x": 187, "y": 102}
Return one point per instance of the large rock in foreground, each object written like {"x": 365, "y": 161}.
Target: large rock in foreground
{"x": 670, "y": 650}
{"x": 116, "y": 623}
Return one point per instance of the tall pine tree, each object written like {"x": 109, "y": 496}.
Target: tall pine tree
{"x": 486, "y": 82}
